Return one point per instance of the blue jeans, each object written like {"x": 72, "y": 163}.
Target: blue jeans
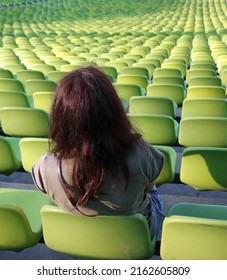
{"x": 157, "y": 211}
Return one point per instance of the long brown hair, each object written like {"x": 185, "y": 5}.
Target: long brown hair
{"x": 89, "y": 126}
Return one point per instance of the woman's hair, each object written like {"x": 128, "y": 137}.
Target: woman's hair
{"x": 90, "y": 127}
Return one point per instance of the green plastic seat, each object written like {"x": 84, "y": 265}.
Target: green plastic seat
{"x": 156, "y": 129}
{"x": 118, "y": 65}
{"x": 10, "y": 160}
{"x": 31, "y": 149}
{"x": 11, "y": 84}
{"x": 126, "y": 91}
{"x": 167, "y": 72}
{"x": 56, "y": 76}
{"x": 194, "y": 232}
{"x": 21, "y": 122}
{"x": 20, "y": 219}
{"x": 136, "y": 70}
{"x": 206, "y": 92}
{"x": 149, "y": 66}
{"x": 199, "y": 73}
{"x": 168, "y": 172}
{"x": 152, "y": 105}
{"x": 5, "y": 73}
{"x": 203, "y": 131}
{"x": 24, "y": 75}
{"x": 175, "y": 92}
{"x": 43, "y": 100}
{"x": 35, "y": 85}
{"x": 109, "y": 70}
{"x": 13, "y": 99}
{"x": 175, "y": 80}
{"x": 139, "y": 80}
{"x": 99, "y": 237}
{"x": 203, "y": 168}
{"x": 205, "y": 81}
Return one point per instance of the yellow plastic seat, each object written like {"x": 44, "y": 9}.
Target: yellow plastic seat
{"x": 156, "y": 129}
{"x": 152, "y": 105}
{"x": 20, "y": 218}
{"x": 21, "y": 122}
{"x": 175, "y": 92}
{"x": 31, "y": 149}
{"x": 205, "y": 81}
{"x": 167, "y": 72}
{"x": 10, "y": 160}
{"x": 204, "y": 107}
{"x": 5, "y": 73}
{"x": 168, "y": 172}
{"x": 13, "y": 99}
{"x": 149, "y": 66}
{"x": 136, "y": 71}
{"x": 198, "y": 73}
{"x": 203, "y": 168}
{"x": 126, "y": 91}
{"x": 110, "y": 70}
{"x": 194, "y": 232}
{"x": 206, "y": 92}
{"x": 203, "y": 131}
{"x": 99, "y": 237}
{"x": 24, "y": 75}
{"x": 169, "y": 80}
{"x": 43, "y": 100}
{"x": 35, "y": 85}
{"x": 56, "y": 76}
{"x": 118, "y": 65}
{"x": 139, "y": 80}
{"x": 11, "y": 84}
{"x": 44, "y": 68}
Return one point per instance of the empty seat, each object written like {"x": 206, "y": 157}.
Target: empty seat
{"x": 156, "y": 129}
{"x": 34, "y": 85}
{"x": 126, "y": 91}
{"x": 43, "y": 100}
{"x": 152, "y": 105}
{"x": 175, "y": 92}
{"x": 194, "y": 232}
{"x": 203, "y": 131}
{"x": 206, "y": 92}
{"x": 21, "y": 122}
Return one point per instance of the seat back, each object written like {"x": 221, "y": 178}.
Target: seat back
{"x": 13, "y": 99}
{"x": 175, "y": 92}
{"x": 99, "y": 237}
{"x": 204, "y": 107}
{"x": 194, "y": 232}
{"x": 203, "y": 131}
{"x": 43, "y": 100}
{"x": 152, "y": 105}
{"x": 21, "y": 122}
{"x": 156, "y": 129}
{"x": 32, "y": 149}
{"x": 34, "y": 85}
{"x": 207, "y": 163}
{"x": 126, "y": 91}
{"x": 206, "y": 92}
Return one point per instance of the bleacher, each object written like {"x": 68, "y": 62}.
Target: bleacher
{"x": 168, "y": 62}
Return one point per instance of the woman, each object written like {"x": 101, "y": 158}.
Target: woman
{"x": 99, "y": 165}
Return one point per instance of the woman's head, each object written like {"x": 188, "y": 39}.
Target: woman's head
{"x": 89, "y": 124}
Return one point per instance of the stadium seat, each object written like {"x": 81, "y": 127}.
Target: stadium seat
{"x": 175, "y": 92}
{"x": 31, "y": 149}
{"x": 126, "y": 91}
{"x": 206, "y": 91}
{"x": 194, "y": 232}
{"x": 204, "y": 107}
{"x": 152, "y": 105}
{"x": 203, "y": 131}
{"x": 207, "y": 163}
{"x": 99, "y": 237}
{"x": 20, "y": 219}
{"x": 13, "y": 99}
{"x": 35, "y": 85}
{"x": 156, "y": 129}
{"x": 10, "y": 160}
{"x": 43, "y": 100}
{"x": 21, "y": 122}
{"x": 24, "y": 75}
